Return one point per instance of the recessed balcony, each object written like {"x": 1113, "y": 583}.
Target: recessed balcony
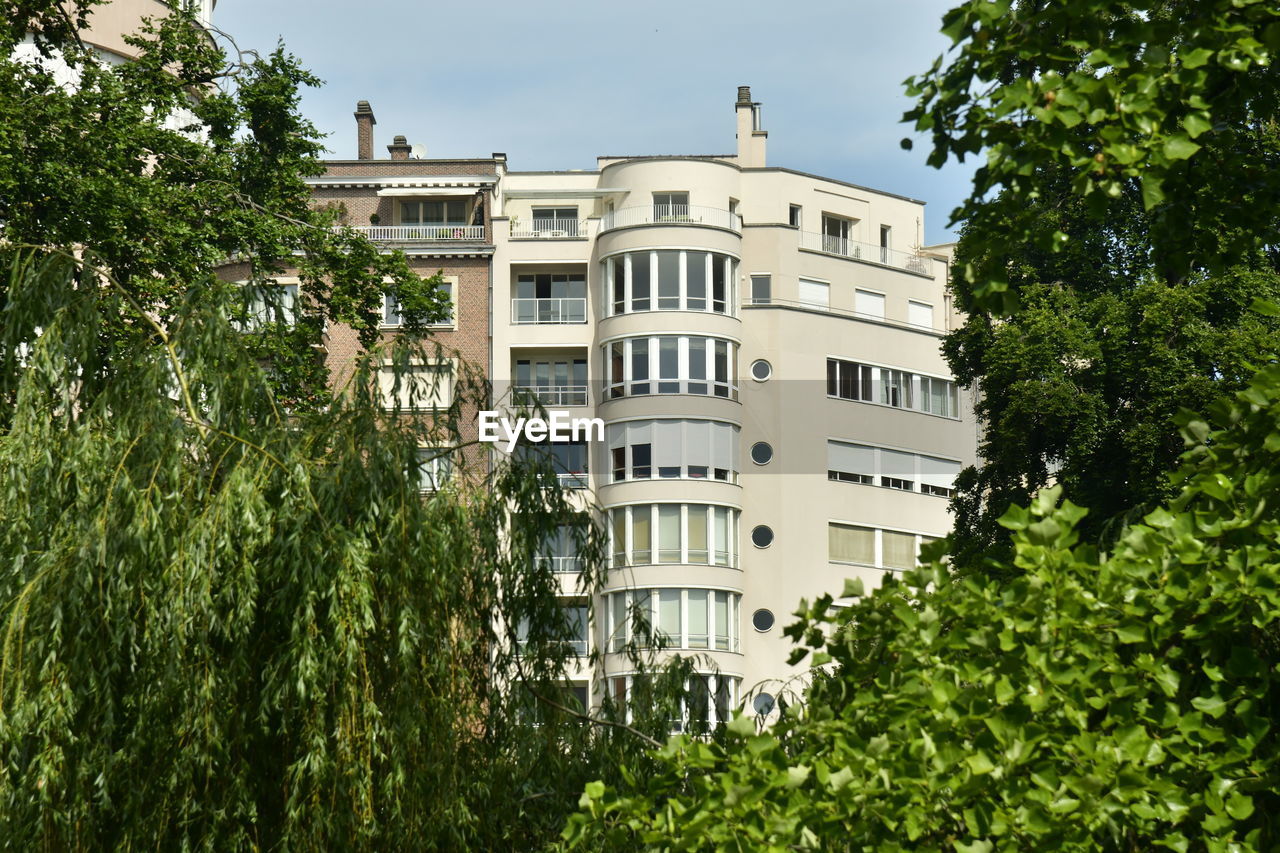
{"x": 831, "y": 244}
{"x": 549, "y": 229}
{"x": 550, "y": 311}
{"x": 672, "y": 214}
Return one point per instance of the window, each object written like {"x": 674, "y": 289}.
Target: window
{"x": 669, "y": 280}
{"x": 670, "y": 206}
{"x": 672, "y": 364}
{"x": 793, "y": 216}
{"x": 761, "y": 289}
{"x": 557, "y": 221}
{"x": 442, "y": 212}
{"x": 417, "y": 387}
{"x": 574, "y": 631}
{"x": 270, "y": 303}
{"x": 391, "y": 312}
{"x": 433, "y": 468}
{"x": 869, "y": 546}
{"x": 560, "y": 550}
{"x": 685, "y": 449}
{"x": 893, "y": 469}
{"x": 815, "y": 294}
{"x": 551, "y": 383}
{"x": 849, "y": 380}
{"x": 920, "y": 314}
{"x": 694, "y": 534}
{"x": 567, "y": 459}
{"x": 550, "y": 298}
{"x": 675, "y": 618}
{"x": 707, "y": 702}
{"x": 836, "y": 231}
{"x": 885, "y": 234}
{"x": 868, "y": 304}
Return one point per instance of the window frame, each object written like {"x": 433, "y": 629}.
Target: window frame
{"x": 719, "y": 366}
{"x": 870, "y": 380}
{"x": 447, "y": 282}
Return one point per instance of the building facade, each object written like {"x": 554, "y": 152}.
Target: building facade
{"x": 763, "y": 347}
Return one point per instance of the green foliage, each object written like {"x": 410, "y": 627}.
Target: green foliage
{"x": 172, "y": 164}
{"x": 1094, "y": 701}
{"x": 1081, "y": 385}
{"x": 1168, "y": 101}
{"x": 228, "y": 627}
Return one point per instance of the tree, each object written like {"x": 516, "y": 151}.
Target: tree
{"x": 1091, "y": 701}
{"x": 173, "y": 164}
{"x": 1081, "y": 385}
{"x": 1171, "y": 99}
{"x": 229, "y": 619}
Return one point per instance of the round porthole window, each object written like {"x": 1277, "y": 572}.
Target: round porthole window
{"x": 763, "y": 704}
{"x": 762, "y": 536}
{"x": 762, "y": 620}
{"x": 761, "y": 452}
{"x": 761, "y": 370}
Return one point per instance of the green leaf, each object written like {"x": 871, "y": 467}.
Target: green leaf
{"x": 1179, "y": 147}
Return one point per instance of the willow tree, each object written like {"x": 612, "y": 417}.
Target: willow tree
{"x": 226, "y": 625}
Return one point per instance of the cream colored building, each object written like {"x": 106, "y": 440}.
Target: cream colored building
{"x": 763, "y": 345}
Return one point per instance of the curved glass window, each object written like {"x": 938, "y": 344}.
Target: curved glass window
{"x": 701, "y": 534}
{"x": 673, "y": 449}
{"x": 670, "y": 280}
{"x": 672, "y": 364}
{"x": 674, "y": 619}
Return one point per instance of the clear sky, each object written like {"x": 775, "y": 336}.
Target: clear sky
{"x": 555, "y": 83}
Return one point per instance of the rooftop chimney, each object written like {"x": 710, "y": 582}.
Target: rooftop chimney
{"x": 751, "y": 139}
{"x": 399, "y": 148}
{"x": 364, "y": 130}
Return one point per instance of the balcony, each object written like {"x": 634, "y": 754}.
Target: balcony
{"x": 561, "y": 565}
{"x": 548, "y": 311}
{"x": 573, "y": 480}
{"x": 672, "y": 214}
{"x": 830, "y": 244}
{"x": 550, "y": 229}
{"x": 550, "y": 395}
{"x": 422, "y": 233}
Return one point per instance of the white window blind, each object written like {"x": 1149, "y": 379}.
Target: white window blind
{"x": 896, "y": 464}
{"x": 940, "y": 473}
{"x": 869, "y": 304}
{"x": 851, "y": 458}
{"x": 815, "y": 293}
{"x": 920, "y": 314}
{"x": 848, "y": 544}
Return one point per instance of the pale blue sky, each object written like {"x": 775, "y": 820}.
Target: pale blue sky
{"x": 556, "y": 83}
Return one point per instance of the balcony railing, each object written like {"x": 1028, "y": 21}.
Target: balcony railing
{"x": 671, "y": 214}
{"x": 846, "y": 248}
{"x": 549, "y": 310}
{"x": 551, "y": 395}
{"x": 550, "y": 228}
{"x": 561, "y": 565}
{"x": 425, "y": 233}
{"x": 574, "y": 480}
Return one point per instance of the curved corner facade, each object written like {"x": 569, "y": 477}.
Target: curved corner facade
{"x": 763, "y": 347}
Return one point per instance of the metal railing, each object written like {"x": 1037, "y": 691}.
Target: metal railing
{"x": 561, "y": 565}
{"x": 550, "y": 228}
{"x": 671, "y": 214}
{"x": 574, "y": 480}
{"x": 551, "y": 395}
{"x": 549, "y": 310}
{"x": 431, "y": 233}
{"x": 846, "y": 248}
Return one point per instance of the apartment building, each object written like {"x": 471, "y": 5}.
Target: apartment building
{"x": 438, "y": 212}
{"x": 763, "y": 345}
